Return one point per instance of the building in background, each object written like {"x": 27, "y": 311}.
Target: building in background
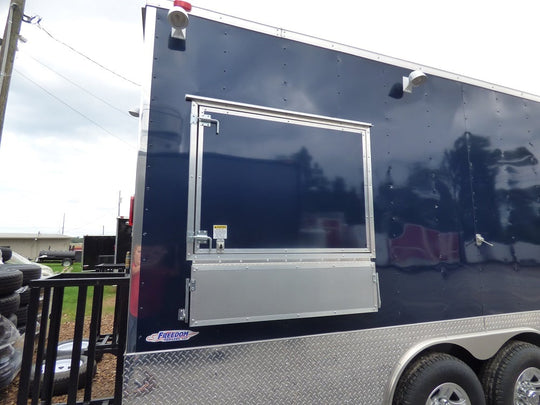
{"x": 30, "y": 244}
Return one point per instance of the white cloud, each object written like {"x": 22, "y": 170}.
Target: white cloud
{"x": 54, "y": 161}
{"x": 47, "y": 178}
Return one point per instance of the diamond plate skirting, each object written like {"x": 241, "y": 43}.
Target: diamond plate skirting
{"x": 339, "y": 368}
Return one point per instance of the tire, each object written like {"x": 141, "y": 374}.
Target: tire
{"x": 22, "y": 316}
{"x": 24, "y": 292}
{"x": 13, "y": 319}
{"x": 10, "y": 280}
{"x": 5, "y": 354}
{"x": 29, "y": 271}
{"x": 6, "y": 253}
{"x": 439, "y": 378}
{"x": 67, "y": 262}
{"x": 7, "y": 332}
{"x": 61, "y": 374}
{"x": 66, "y": 347}
{"x": 511, "y": 373}
{"x": 9, "y": 304}
{"x": 6, "y": 376}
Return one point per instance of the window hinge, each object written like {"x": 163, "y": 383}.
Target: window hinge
{"x": 192, "y": 285}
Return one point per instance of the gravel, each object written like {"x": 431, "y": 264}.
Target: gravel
{"x": 103, "y": 382}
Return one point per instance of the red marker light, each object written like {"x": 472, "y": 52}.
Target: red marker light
{"x": 131, "y": 209}
{"x": 184, "y": 4}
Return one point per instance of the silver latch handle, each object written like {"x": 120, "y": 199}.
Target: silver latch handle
{"x": 203, "y": 238}
{"x": 210, "y": 121}
{"x": 479, "y": 239}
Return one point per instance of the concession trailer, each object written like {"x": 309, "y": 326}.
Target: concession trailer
{"x": 319, "y": 224}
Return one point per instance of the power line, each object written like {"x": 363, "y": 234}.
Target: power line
{"x": 78, "y": 86}
{"x": 36, "y": 20}
{"x": 74, "y": 109}
{"x": 93, "y": 222}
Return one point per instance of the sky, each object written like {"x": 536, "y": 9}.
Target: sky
{"x": 69, "y": 146}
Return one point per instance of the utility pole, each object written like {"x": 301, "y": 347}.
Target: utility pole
{"x": 119, "y": 201}
{"x": 7, "y": 53}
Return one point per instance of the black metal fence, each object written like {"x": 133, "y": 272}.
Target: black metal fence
{"x": 37, "y": 377}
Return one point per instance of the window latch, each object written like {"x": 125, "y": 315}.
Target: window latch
{"x": 201, "y": 238}
{"x": 479, "y": 239}
{"x": 207, "y": 121}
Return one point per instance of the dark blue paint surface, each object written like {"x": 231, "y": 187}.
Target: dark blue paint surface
{"x": 449, "y": 160}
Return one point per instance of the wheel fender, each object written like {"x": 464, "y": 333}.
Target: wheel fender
{"x": 482, "y": 346}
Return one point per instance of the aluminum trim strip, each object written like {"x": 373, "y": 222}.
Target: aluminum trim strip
{"x": 192, "y": 183}
{"x": 368, "y": 194}
{"x": 198, "y": 178}
{"x": 292, "y": 315}
{"x": 299, "y": 250}
{"x": 205, "y": 105}
{"x": 306, "y": 256}
{"x": 256, "y": 111}
{"x": 146, "y": 87}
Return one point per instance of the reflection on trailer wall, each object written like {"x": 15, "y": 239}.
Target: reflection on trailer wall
{"x": 250, "y": 205}
{"x": 450, "y": 160}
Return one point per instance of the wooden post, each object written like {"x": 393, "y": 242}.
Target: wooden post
{"x": 7, "y": 53}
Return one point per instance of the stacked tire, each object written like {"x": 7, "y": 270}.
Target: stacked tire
{"x": 29, "y": 272}
{"x": 11, "y": 280}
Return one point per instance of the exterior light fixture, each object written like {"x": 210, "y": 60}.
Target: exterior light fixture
{"x": 134, "y": 112}
{"x": 178, "y": 18}
{"x": 415, "y": 79}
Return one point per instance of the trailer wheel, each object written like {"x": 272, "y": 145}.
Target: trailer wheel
{"x": 439, "y": 378}
{"x": 61, "y": 374}
{"x": 512, "y": 376}
{"x": 65, "y": 348}
{"x": 67, "y": 262}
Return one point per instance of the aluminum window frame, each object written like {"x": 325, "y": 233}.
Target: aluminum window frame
{"x": 203, "y": 105}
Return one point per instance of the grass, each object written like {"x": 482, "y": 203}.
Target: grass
{"x": 57, "y": 267}
{"x": 71, "y": 294}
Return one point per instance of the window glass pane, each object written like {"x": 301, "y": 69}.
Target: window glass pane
{"x": 280, "y": 185}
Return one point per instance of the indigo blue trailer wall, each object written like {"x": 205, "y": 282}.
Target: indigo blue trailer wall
{"x": 305, "y": 230}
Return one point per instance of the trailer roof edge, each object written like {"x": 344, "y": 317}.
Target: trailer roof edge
{"x": 312, "y": 40}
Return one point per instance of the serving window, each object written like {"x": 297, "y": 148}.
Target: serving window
{"x": 269, "y": 187}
